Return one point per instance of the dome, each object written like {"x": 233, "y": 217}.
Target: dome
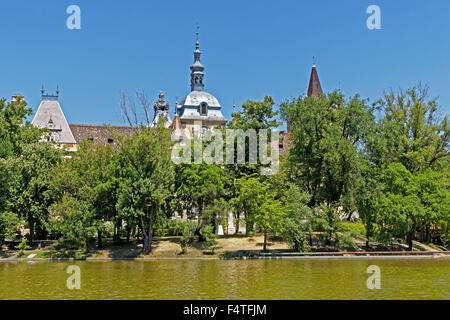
{"x": 195, "y": 98}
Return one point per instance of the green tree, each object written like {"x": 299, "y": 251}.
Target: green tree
{"x": 270, "y": 218}
{"x": 411, "y": 202}
{"x": 248, "y": 198}
{"x": 200, "y": 190}
{"x": 298, "y": 219}
{"x": 14, "y": 133}
{"x": 30, "y": 194}
{"x": 9, "y": 225}
{"x": 411, "y": 131}
{"x": 148, "y": 180}
{"x": 327, "y": 136}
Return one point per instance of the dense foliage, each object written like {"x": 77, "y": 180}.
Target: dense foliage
{"x": 384, "y": 165}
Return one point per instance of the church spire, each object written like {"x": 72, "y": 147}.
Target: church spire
{"x": 197, "y": 68}
{"x": 314, "y": 89}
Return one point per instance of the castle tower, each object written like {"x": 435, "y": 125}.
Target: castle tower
{"x": 50, "y": 116}
{"x": 314, "y": 87}
{"x": 199, "y": 106}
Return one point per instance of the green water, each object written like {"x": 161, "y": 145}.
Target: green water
{"x": 243, "y": 279}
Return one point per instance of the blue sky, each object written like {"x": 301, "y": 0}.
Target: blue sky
{"x": 250, "y": 49}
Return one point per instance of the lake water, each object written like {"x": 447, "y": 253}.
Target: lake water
{"x": 228, "y": 279}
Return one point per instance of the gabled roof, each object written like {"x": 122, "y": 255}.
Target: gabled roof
{"x": 314, "y": 89}
{"x": 50, "y": 112}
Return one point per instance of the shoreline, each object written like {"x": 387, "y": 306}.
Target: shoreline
{"x": 306, "y": 256}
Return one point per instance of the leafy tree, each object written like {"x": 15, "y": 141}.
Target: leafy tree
{"x": 148, "y": 180}
{"x": 249, "y": 197}
{"x": 14, "y": 133}
{"x": 269, "y": 218}
{"x": 411, "y": 131}
{"x": 369, "y": 195}
{"x": 256, "y": 115}
{"x": 73, "y": 220}
{"x": 327, "y": 135}
{"x": 30, "y": 194}
{"x": 185, "y": 238}
{"x": 298, "y": 219}
{"x": 9, "y": 225}
{"x": 200, "y": 191}
{"x": 411, "y": 202}
{"x": 209, "y": 237}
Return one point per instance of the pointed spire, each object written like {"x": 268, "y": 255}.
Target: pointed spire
{"x": 197, "y": 43}
{"x": 197, "y": 68}
{"x": 314, "y": 88}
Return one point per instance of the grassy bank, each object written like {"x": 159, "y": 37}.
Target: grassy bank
{"x": 169, "y": 247}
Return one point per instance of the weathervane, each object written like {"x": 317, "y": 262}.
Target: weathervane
{"x": 314, "y": 60}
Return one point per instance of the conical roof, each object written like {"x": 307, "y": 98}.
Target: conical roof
{"x": 50, "y": 115}
{"x": 314, "y": 89}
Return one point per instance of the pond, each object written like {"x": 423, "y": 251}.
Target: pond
{"x": 228, "y": 279}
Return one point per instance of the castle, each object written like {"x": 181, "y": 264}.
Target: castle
{"x": 197, "y": 108}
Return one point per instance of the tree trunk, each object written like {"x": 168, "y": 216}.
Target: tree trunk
{"x": 410, "y": 240}
{"x": 128, "y": 234}
{"x": 99, "y": 240}
{"x": 147, "y": 238}
{"x": 32, "y": 231}
{"x": 265, "y": 241}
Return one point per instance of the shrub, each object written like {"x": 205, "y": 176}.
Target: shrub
{"x": 184, "y": 240}
{"x": 345, "y": 241}
{"x": 295, "y": 236}
{"x": 355, "y": 228}
{"x": 22, "y": 247}
{"x": 210, "y": 238}
{"x": 173, "y": 228}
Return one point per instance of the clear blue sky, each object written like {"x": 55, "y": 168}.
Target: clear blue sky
{"x": 250, "y": 49}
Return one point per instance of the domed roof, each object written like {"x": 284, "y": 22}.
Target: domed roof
{"x": 195, "y": 98}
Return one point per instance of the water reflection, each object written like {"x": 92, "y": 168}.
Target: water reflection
{"x": 230, "y": 280}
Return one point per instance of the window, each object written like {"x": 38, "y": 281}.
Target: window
{"x": 204, "y": 109}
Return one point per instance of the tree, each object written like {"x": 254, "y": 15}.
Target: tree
{"x": 298, "y": 219}
{"x": 248, "y": 198}
{"x": 209, "y": 238}
{"x": 328, "y": 134}
{"x": 30, "y": 194}
{"x": 411, "y": 131}
{"x": 256, "y": 115}
{"x": 270, "y": 217}
{"x": 148, "y": 180}
{"x": 369, "y": 195}
{"x": 9, "y": 225}
{"x": 411, "y": 202}
{"x": 200, "y": 189}
{"x": 14, "y": 133}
